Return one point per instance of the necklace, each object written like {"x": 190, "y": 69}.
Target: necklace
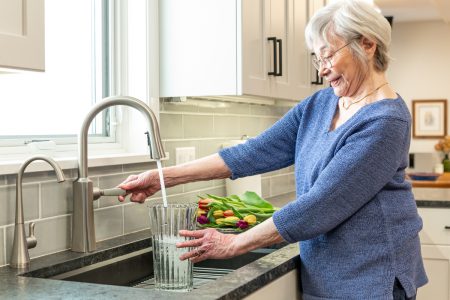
{"x": 359, "y": 100}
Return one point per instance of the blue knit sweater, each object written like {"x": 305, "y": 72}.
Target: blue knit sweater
{"x": 355, "y": 215}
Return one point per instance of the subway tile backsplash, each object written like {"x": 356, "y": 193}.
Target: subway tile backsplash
{"x": 200, "y": 123}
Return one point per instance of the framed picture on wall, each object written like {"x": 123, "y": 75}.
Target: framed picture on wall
{"x": 429, "y": 118}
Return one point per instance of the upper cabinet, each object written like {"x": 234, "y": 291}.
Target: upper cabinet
{"x": 276, "y": 61}
{"x": 200, "y": 47}
{"x": 22, "y": 39}
{"x": 224, "y": 47}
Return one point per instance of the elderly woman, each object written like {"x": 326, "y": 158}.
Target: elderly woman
{"x": 355, "y": 215}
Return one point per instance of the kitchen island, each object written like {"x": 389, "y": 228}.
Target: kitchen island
{"x": 235, "y": 285}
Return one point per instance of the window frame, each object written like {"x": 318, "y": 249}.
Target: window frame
{"x": 114, "y": 149}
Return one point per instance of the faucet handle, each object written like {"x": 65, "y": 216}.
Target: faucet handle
{"x": 108, "y": 192}
{"x": 114, "y": 192}
{"x": 31, "y": 239}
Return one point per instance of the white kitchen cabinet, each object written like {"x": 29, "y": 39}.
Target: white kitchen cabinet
{"x": 276, "y": 61}
{"x": 224, "y": 47}
{"x": 435, "y": 240}
{"x": 22, "y": 34}
{"x": 437, "y": 265}
{"x": 200, "y": 47}
{"x": 286, "y": 287}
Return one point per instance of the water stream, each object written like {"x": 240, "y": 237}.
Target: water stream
{"x": 161, "y": 180}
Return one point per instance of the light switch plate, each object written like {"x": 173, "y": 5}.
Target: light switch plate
{"x": 184, "y": 154}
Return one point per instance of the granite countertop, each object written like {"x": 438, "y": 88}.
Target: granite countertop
{"x": 237, "y": 284}
{"x": 425, "y": 197}
{"x": 443, "y": 181}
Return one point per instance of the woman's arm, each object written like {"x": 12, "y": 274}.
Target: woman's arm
{"x": 147, "y": 183}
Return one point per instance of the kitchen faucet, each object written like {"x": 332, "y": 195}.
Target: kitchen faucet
{"x": 83, "y": 230}
{"x": 20, "y": 257}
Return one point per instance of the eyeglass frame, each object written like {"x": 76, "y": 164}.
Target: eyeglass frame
{"x": 319, "y": 62}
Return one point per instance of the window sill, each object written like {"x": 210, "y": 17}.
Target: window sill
{"x": 12, "y": 166}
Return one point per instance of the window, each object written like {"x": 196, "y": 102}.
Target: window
{"x": 93, "y": 50}
{"x": 52, "y": 103}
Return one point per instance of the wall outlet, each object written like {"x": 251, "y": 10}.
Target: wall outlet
{"x": 184, "y": 154}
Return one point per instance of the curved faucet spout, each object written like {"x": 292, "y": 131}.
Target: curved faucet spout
{"x": 156, "y": 148}
{"x": 20, "y": 257}
{"x": 83, "y": 229}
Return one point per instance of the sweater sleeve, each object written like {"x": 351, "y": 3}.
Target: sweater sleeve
{"x": 366, "y": 162}
{"x": 271, "y": 150}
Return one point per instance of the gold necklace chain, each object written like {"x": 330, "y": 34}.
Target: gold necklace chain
{"x": 354, "y": 102}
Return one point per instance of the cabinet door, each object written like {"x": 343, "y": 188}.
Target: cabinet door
{"x": 316, "y": 82}
{"x": 437, "y": 265}
{"x": 286, "y": 21}
{"x": 256, "y": 49}
{"x": 200, "y": 42}
{"x": 286, "y": 287}
{"x": 288, "y": 29}
{"x": 22, "y": 34}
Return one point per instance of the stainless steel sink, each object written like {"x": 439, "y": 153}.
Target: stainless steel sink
{"x": 136, "y": 269}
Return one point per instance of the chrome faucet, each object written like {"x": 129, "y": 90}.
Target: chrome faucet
{"x": 20, "y": 257}
{"x": 83, "y": 230}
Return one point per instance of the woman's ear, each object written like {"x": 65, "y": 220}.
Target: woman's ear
{"x": 368, "y": 46}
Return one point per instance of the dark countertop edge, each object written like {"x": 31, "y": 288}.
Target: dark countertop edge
{"x": 238, "y": 284}
{"x": 433, "y": 203}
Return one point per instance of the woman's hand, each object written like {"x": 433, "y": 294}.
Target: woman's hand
{"x": 141, "y": 186}
{"x": 209, "y": 244}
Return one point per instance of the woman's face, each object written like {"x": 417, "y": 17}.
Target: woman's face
{"x": 339, "y": 67}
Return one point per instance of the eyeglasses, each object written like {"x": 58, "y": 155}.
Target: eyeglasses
{"x": 326, "y": 61}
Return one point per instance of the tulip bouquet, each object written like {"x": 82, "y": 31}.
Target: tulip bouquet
{"x": 237, "y": 212}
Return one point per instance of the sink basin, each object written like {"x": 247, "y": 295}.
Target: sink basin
{"x": 136, "y": 269}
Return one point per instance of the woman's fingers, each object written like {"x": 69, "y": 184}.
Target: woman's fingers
{"x": 195, "y": 255}
{"x": 190, "y": 243}
{"x": 138, "y": 197}
{"x": 194, "y": 234}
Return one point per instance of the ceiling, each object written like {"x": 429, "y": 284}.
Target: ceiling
{"x": 415, "y": 10}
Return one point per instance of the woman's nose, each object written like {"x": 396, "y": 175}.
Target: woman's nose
{"x": 322, "y": 71}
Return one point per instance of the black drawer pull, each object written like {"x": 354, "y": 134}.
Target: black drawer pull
{"x": 275, "y": 60}
{"x": 447, "y": 227}
{"x": 280, "y": 57}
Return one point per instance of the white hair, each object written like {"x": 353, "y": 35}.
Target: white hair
{"x": 351, "y": 20}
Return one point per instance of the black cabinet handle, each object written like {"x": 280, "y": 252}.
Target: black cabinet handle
{"x": 275, "y": 60}
{"x": 319, "y": 80}
{"x": 447, "y": 227}
{"x": 280, "y": 58}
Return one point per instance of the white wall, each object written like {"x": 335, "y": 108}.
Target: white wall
{"x": 421, "y": 67}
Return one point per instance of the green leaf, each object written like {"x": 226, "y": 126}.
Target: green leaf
{"x": 216, "y": 197}
{"x": 251, "y": 198}
{"x": 235, "y": 197}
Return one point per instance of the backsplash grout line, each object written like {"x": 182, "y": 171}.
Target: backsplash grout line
{"x": 40, "y": 201}
{"x": 279, "y": 175}
{"x": 46, "y": 218}
{"x": 4, "y": 244}
{"x": 202, "y": 139}
{"x": 123, "y": 219}
{"x": 219, "y": 114}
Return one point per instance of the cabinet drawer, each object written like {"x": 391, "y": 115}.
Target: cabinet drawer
{"x": 435, "y": 221}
